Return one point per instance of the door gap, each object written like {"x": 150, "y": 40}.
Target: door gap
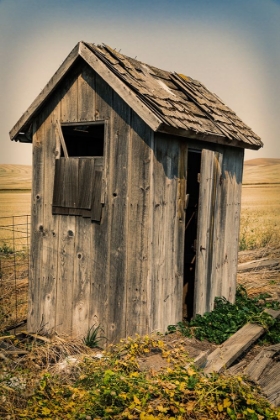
{"x": 193, "y": 179}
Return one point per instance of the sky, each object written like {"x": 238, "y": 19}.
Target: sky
{"x": 232, "y": 47}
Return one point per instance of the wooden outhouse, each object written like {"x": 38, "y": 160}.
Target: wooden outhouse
{"x": 136, "y": 196}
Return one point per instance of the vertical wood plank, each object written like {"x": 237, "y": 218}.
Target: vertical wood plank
{"x": 67, "y": 224}
{"x": 120, "y": 135}
{"x": 209, "y": 180}
{"x": 101, "y": 233}
{"x": 36, "y": 247}
{"x": 103, "y": 99}
{"x": 69, "y": 97}
{"x": 86, "y": 94}
{"x": 71, "y": 183}
{"x": 96, "y": 197}
{"x": 86, "y": 170}
{"x": 137, "y": 243}
{"x": 168, "y": 281}
{"x": 82, "y": 278}
{"x": 231, "y": 186}
{"x": 179, "y": 241}
{"x": 65, "y": 274}
{"x": 49, "y": 257}
{"x": 83, "y": 252}
{"x": 58, "y": 182}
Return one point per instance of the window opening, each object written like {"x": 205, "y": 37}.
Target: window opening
{"x": 193, "y": 179}
{"x": 83, "y": 140}
{"x": 78, "y": 172}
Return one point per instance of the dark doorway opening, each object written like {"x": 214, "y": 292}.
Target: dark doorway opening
{"x": 193, "y": 179}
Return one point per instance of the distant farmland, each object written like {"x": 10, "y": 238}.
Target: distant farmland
{"x": 15, "y": 190}
{"x": 261, "y": 188}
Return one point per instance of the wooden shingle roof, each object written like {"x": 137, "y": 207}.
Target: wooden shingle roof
{"x": 167, "y": 102}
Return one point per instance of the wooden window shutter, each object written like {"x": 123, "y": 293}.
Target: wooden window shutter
{"x": 77, "y": 187}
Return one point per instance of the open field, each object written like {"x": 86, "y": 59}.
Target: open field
{"x": 15, "y": 177}
{"x": 261, "y": 171}
{"x": 15, "y": 191}
{"x": 260, "y": 195}
{"x": 260, "y": 206}
{"x": 15, "y": 203}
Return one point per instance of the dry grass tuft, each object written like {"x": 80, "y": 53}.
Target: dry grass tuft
{"x": 46, "y": 356}
{"x": 13, "y": 290}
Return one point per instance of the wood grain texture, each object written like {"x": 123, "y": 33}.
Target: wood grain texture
{"x": 58, "y": 182}
{"x": 100, "y": 255}
{"x": 167, "y": 284}
{"x": 96, "y": 207}
{"x": 209, "y": 172}
{"x": 86, "y": 171}
{"x": 36, "y": 246}
{"x": 50, "y": 231}
{"x": 69, "y": 94}
{"x": 86, "y": 94}
{"x": 71, "y": 183}
{"x": 138, "y": 221}
{"x": 120, "y": 136}
{"x": 82, "y": 277}
{"x": 65, "y": 274}
{"x": 223, "y": 356}
{"x": 227, "y": 254}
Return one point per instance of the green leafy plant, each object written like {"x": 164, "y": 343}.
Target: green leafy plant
{"x": 115, "y": 388}
{"x": 93, "y": 336}
{"x": 227, "y": 318}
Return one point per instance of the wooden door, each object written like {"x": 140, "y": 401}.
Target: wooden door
{"x": 208, "y": 214}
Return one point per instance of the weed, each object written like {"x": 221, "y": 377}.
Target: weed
{"x": 93, "y": 338}
{"x": 114, "y": 387}
{"x": 227, "y": 318}
{"x": 6, "y": 249}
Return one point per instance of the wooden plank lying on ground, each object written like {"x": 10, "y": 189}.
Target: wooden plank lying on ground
{"x": 259, "y": 264}
{"x": 224, "y": 355}
{"x": 265, "y": 370}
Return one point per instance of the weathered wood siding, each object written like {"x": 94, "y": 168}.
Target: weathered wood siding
{"x": 167, "y": 230}
{"x": 218, "y": 226}
{"x": 126, "y": 272}
{"x": 114, "y": 273}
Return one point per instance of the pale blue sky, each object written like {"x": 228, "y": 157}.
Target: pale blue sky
{"x": 230, "y": 46}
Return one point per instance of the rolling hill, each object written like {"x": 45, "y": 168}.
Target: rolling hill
{"x": 261, "y": 171}
{"x": 15, "y": 177}
{"x": 256, "y": 171}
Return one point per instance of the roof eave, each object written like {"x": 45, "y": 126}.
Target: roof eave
{"x": 207, "y": 137}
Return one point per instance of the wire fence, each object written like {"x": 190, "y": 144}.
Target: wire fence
{"x": 14, "y": 270}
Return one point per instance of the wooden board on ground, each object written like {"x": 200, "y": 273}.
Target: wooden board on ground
{"x": 264, "y": 369}
{"x": 231, "y": 349}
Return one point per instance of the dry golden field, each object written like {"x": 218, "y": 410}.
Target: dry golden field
{"x": 15, "y": 177}
{"x": 15, "y": 190}
{"x": 260, "y": 207}
{"x": 260, "y": 211}
{"x": 15, "y": 199}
